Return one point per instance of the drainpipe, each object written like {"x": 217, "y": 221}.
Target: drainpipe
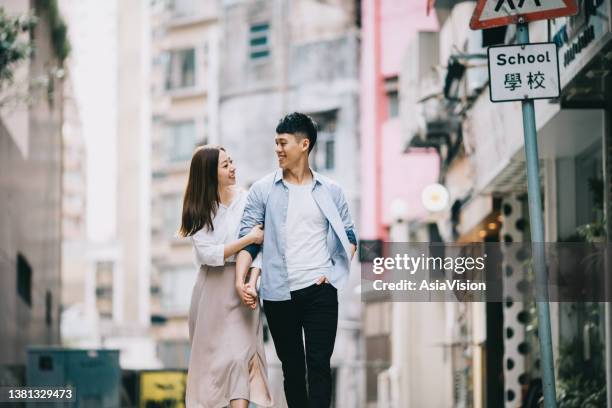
{"x": 379, "y": 103}
{"x": 607, "y": 178}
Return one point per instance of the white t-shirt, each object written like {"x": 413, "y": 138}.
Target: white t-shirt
{"x": 307, "y": 254}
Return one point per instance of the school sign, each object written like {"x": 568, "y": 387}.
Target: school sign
{"x": 527, "y": 71}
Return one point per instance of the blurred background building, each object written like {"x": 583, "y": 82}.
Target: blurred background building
{"x": 402, "y": 340}
{"x": 106, "y": 279}
{"x": 74, "y": 221}
{"x": 31, "y": 104}
{"x": 490, "y": 356}
{"x": 283, "y": 56}
{"x": 184, "y": 98}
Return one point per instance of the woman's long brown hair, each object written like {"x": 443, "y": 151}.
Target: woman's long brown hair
{"x": 201, "y": 199}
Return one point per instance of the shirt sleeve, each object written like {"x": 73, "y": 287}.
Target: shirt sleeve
{"x": 257, "y": 262}
{"x": 254, "y": 214}
{"x": 349, "y": 225}
{"x": 207, "y": 250}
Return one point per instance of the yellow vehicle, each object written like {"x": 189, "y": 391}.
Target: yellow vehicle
{"x": 155, "y": 388}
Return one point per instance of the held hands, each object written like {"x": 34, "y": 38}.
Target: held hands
{"x": 247, "y": 294}
{"x": 256, "y": 234}
{"x": 250, "y": 296}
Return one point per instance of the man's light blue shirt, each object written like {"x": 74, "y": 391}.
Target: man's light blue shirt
{"x": 267, "y": 204}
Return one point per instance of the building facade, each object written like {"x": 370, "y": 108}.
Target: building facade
{"x": 74, "y": 220}
{"x": 400, "y": 358}
{"x": 184, "y": 48}
{"x": 280, "y": 56}
{"x": 107, "y": 274}
{"x": 494, "y": 359}
{"x": 30, "y": 186}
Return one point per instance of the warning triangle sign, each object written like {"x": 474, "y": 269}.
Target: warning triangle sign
{"x": 495, "y": 13}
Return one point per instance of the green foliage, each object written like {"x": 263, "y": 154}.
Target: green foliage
{"x": 13, "y": 47}
{"x": 582, "y": 381}
{"x": 59, "y": 30}
{"x": 15, "y": 38}
{"x": 594, "y": 231}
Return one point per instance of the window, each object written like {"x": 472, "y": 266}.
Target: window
{"x": 393, "y": 104}
{"x": 104, "y": 289}
{"x": 172, "y": 207}
{"x": 589, "y": 186}
{"x": 180, "y": 69}
{"x": 180, "y": 140}
{"x": 259, "y": 45}
{"x": 391, "y": 88}
{"x": 175, "y": 283}
{"x": 324, "y": 152}
{"x": 329, "y": 153}
{"x": 206, "y": 54}
{"x": 48, "y": 308}
{"x": 183, "y": 8}
{"x": 24, "y": 279}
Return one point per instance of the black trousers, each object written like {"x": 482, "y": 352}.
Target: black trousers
{"x": 315, "y": 311}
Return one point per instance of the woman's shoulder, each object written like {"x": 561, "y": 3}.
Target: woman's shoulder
{"x": 202, "y": 234}
{"x": 241, "y": 195}
{"x": 237, "y": 207}
{"x": 239, "y": 190}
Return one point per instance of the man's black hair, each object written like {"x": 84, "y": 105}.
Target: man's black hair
{"x": 299, "y": 125}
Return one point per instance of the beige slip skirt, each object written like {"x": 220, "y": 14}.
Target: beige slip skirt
{"x": 227, "y": 359}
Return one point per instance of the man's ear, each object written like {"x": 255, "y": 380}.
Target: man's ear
{"x": 306, "y": 143}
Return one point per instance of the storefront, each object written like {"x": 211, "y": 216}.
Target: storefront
{"x": 581, "y": 183}
{"x": 571, "y": 136}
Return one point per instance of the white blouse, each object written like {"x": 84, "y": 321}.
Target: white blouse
{"x": 208, "y": 246}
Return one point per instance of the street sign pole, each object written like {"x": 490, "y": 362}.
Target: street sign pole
{"x": 537, "y": 239}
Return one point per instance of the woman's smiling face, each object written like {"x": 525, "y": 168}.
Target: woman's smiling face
{"x": 226, "y": 170}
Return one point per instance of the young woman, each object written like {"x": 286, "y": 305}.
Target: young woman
{"x": 227, "y": 366}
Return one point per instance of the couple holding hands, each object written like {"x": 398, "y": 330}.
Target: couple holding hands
{"x": 303, "y": 257}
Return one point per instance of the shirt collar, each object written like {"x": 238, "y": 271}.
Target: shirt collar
{"x": 278, "y": 175}
{"x": 316, "y": 177}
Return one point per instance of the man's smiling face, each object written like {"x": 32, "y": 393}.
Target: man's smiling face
{"x": 289, "y": 149}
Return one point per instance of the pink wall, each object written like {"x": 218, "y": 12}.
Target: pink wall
{"x": 386, "y": 172}
{"x": 401, "y": 19}
{"x": 405, "y": 175}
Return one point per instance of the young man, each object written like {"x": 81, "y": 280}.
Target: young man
{"x": 309, "y": 242}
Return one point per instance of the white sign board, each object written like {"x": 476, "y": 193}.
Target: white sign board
{"x": 519, "y": 72}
